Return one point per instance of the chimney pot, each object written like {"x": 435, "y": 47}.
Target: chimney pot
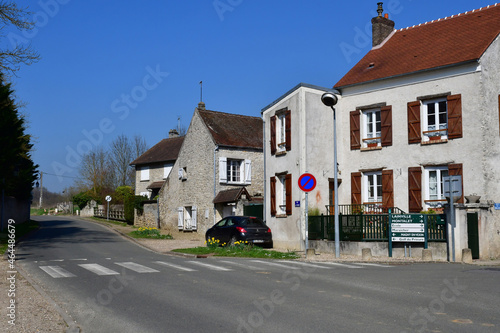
{"x": 382, "y": 26}
{"x": 201, "y": 106}
{"x": 173, "y": 133}
{"x": 386, "y": 15}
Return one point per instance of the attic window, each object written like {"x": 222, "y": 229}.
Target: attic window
{"x": 371, "y": 65}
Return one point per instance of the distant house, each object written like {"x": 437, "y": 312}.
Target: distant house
{"x": 218, "y": 172}
{"x": 154, "y": 166}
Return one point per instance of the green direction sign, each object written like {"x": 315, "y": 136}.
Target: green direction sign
{"x": 407, "y": 228}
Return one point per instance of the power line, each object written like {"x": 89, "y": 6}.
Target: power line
{"x": 51, "y": 174}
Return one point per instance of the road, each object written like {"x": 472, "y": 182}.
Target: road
{"x": 109, "y": 284}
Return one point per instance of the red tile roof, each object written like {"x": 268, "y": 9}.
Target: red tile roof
{"x": 166, "y": 150}
{"x": 231, "y": 195}
{"x": 233, "y": 130}
{"x": 454, "y": 40}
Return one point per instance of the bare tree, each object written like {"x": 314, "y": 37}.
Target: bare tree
{"x": 95, "y": 170}
{"x": 121, "y": 154}
{"x": 10, "y": 59}
{"x": 140, "y": 146}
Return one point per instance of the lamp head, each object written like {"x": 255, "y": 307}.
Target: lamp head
{"x": 329, "y": 99}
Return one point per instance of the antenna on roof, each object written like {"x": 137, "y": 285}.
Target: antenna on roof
{"x": 201, "y": 91}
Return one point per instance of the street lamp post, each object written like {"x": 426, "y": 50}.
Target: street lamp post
{"x": 330, "y": 99}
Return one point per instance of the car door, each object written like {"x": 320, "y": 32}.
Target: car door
{"x": 217, "y": 230}
{"x": 227, "y": 230}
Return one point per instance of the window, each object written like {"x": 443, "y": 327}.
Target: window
{"x": 281, "y": 135}
{"x": 281, "y": 195}
{"x": 372, "y": 187}
{"x": 434, "y": 196}
{"x": 435, "y": 124}
{"x": 235, "y": 171}
{"x": 167, "y": 168}
{"x": 371, "y": 128}
{"x": 144, "y": 173}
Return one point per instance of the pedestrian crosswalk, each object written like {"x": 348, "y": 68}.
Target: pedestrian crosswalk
{"x": 70, "y": 269}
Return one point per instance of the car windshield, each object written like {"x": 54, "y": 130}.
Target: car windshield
{"x": 252, "y": 222}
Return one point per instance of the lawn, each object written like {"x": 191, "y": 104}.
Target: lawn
{"x": 241, "y": 250}
{"x": 18, "y": 231}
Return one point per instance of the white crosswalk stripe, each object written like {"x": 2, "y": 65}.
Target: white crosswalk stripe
{"x": 137, "y": 267}
{"x": 341, "y": 265}
{"x": 373, "y": 264}
{"x": 210, "y": 266}
{"x": 181, "y": 268}
{"x": 306, "y": 264}
{"x": 98, "y": 269}
{"x": 244, "y": 265}
{"x": 271, "y": 263}
{"x": 56, "y": 271}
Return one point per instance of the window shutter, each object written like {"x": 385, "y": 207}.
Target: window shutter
{"x": 145, "y": 173}
{"x": 180, "y": 218}
{"x": 273, "y": 135}
{"x": 181, "y": 173}
{"x": 414, "y": 122}
{"x": 194, "y": 226}
{"x": 222, "y": 169}
{"x": 288, "y": 130}
{"x": 248, "y": 172}
{"x": 272, "y": 184}
{"x": 355, "y": 130}
{"x": 454, "y": 116}
{"x": 288, "y": 190}
{"x": 356, "y": 188}
{"x": 415, "y": 189}
{"x": 386, "y": 125}
{"x": 387, "y": 189}
{"x": 456, "y": 170}
{"x": 499, "y": 109}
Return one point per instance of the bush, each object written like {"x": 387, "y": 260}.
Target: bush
{"x": 131, "y": 202}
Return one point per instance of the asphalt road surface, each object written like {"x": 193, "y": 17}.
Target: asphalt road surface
{"x": 109, "y": 284}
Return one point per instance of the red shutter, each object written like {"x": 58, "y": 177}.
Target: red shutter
{"x": 415, "y": 189}
{"x": 386, "y": 125}
{"x": 355, "y": 130}
{"x": 414, "y": 122}
{"x": 456, "y": 170}
{"x": 387, "y": 189}
{"x": 288, "y": 190}
{"x": 288, "y": 130}
{"x": 273, "y": 135}
{"x": 454, "y": 116}
{"x": 356, "y": 188}
{"x": 273, "y": 196}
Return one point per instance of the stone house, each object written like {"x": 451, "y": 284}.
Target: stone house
{"x": 422, "y": 104}
{"x": 298, "y": 139}
{"x": 154, "y": 166}
{"x": 219, "y": 171}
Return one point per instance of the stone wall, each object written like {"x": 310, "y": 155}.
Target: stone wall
{"x": 17, "y": 210}
{"x": 149, "y": 216}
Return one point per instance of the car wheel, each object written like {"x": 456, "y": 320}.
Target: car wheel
{"x": 232, "y": 241}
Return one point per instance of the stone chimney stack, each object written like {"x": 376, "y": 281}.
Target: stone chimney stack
{"x": 381, "y": 26}
{"x": 173, "y": 133}
{"x": 201, "y": 106}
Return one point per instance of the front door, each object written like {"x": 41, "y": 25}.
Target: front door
{"x": 473, "y": 234}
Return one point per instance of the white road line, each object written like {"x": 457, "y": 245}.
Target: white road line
{"x": 341, "y": 265}
{"x": 275, "y": 264}
{"x": 136, "y": 267}
{"x": 57, "y": 260}
{"x": 56, "y": 271}
{"x": 79, "y": 259}
{"x": 240, "y": 264}
{"x": 98, "y": 269}
{"x": 305, "y": 264}
{"x": 176, "y": 266}
{"x": 209, "y": 266}
{"x": 372, "y": 264}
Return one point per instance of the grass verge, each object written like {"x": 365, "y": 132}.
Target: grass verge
{"x": 247, "y": 251}
{"x": 19, "y": 231}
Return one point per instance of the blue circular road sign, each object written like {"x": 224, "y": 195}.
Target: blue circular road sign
{"x": 307, "y": 182}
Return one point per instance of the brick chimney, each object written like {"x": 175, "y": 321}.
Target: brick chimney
{"x": 381, "y": 26}
{"x": 173, "y": 133}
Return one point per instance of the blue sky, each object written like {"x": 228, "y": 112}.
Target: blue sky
{"x": 133, "y": 67}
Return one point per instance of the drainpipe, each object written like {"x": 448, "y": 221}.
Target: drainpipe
{"x": 265, "y": 178}
{"x": 215, "y": 178}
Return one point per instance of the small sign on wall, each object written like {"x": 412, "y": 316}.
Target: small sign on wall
{"x": 297, "y": 203}
{"x": 497, "y": 206}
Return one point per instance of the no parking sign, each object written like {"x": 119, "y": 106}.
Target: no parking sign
{"x": 307, "y": 182}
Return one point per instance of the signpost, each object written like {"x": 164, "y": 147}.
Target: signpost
{"x": 407, "y": 228}
{"x": 453, "y": 190}
{"x": 307, "y": 183}
{"x": 108, "y": 199}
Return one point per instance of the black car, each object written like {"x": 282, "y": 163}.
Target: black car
{"x": 241, "y": 228}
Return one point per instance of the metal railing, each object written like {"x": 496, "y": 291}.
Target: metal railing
{"x": 113, "y": 214}
{"x": 367, "y": 227}
{"x": 374, "y": 208}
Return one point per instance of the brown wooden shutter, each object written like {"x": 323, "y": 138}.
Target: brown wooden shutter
{"x": 288, "y": 130}
{"x": 356, "y": 188}
{"x": 387, "y": 189}
{"x": 273, "y": 195}
{"x": 414, "y": 122}
{"x": 386, "y": 125}
{"x": 499, "y": 111}
{"x": 288, "y": 190}
{"x": 456, "y": 170}
{"x": 415, "y": 189}
{"x": 454, "y": 116}
{"x": 273, "y": 135}
{"x": 355, "y": 130}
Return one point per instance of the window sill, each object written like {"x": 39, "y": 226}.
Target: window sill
{"x": 280, "y": 153}
{"x": 280, "y": 216}
{"x": 430, "y": 142}
{"x": 371, "y": 148}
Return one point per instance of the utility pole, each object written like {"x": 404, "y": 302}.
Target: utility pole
{"x": 41, "y": 189}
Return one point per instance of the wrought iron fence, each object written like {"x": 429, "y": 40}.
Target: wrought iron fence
{"x": 373, "y": 208}
{"x": 367, "y": 227}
